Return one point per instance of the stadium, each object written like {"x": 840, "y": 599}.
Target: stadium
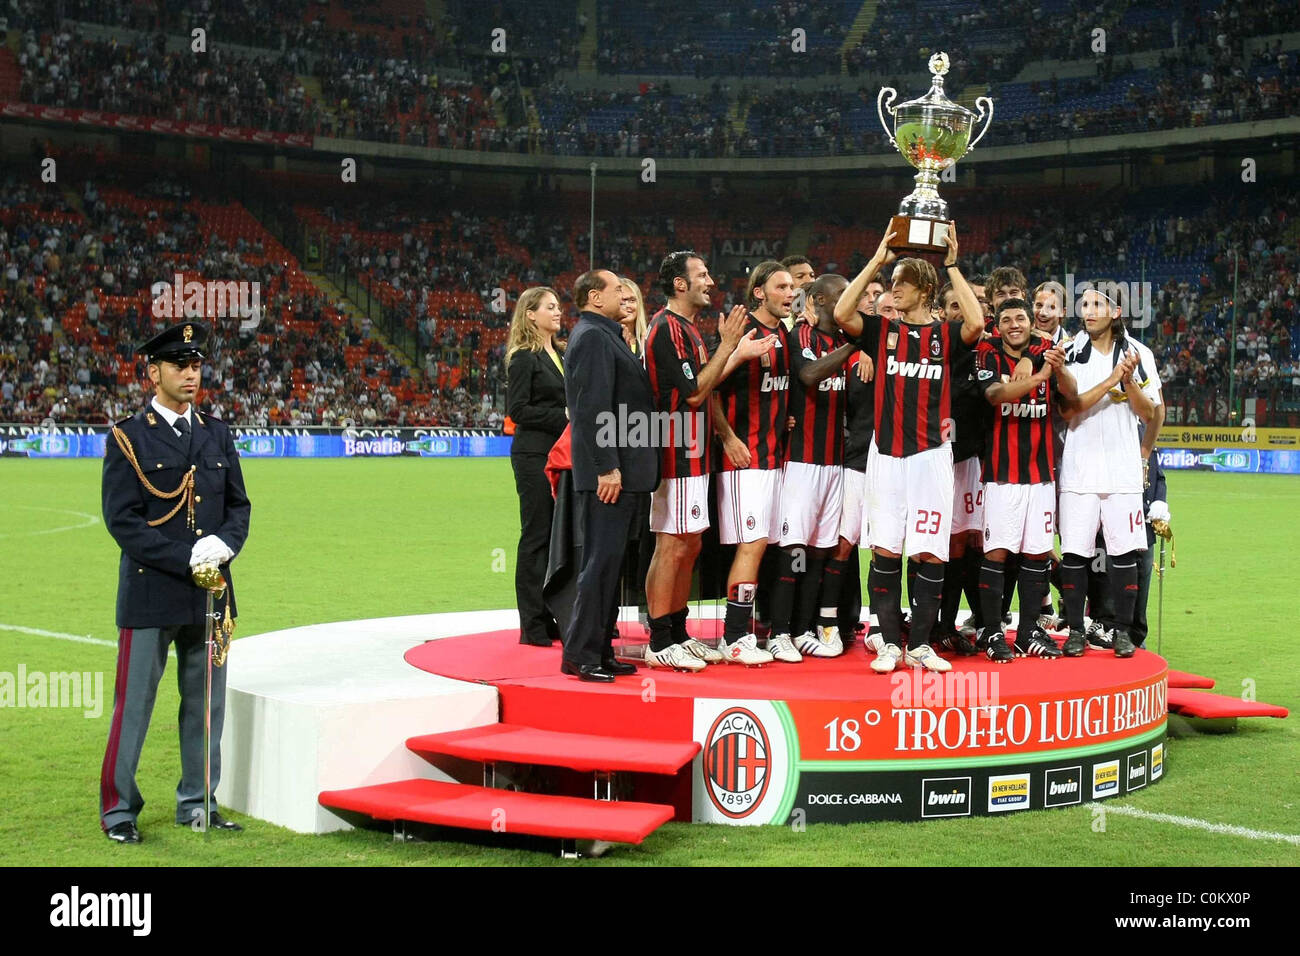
{"x": 332, "y": 212}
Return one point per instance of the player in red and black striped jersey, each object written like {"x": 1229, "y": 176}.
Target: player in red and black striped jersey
{"x": 970, "y": 421}
{"x": 860, "y": 426}
{"x": 752, "y": 425}
{"x": 683, "y": 377}
{"x": 675, "y": 356}
{"x": 909, "y": 474}
{"x": 1019, "y": 475}
{"x": 812, "y": 488}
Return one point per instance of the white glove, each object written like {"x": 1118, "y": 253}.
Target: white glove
{"x": 210, "y": 550}
{"x": 1159, "y": 511}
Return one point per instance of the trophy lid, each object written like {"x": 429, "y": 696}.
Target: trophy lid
{"x": 935, "y": 97}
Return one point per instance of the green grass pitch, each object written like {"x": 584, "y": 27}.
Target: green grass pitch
{"x": 340, "y": 539}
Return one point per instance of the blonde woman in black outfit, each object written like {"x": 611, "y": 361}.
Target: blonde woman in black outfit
{"x": 535, "y": 401}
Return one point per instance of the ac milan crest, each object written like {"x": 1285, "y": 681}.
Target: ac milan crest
{"x": 737, "y": 762}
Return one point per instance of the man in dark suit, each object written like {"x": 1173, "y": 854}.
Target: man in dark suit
{"x": 608, "y": 393}
{"x": 173, "y": 498}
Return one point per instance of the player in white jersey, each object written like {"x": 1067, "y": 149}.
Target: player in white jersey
{"x": 1101, "y": 467}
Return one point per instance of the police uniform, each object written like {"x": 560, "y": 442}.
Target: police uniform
{"x": 169, "y": 481}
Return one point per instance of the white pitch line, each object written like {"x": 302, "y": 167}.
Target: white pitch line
{"x": 79, "y": 638}
{"x": 1206, "y": 825}
{"x": 90, "y": 521}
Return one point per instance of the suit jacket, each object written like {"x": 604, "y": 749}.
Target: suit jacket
{"x": 535, "y": 401}
{"x": 154, "y": 588}
{"x": 603, "y": 376}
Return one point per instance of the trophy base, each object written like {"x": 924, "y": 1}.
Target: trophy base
{"x": 919, "y": 235}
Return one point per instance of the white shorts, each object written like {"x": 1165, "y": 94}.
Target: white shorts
{"x": 1123, "y": 523}
{"x": 1020, "y": 518}
{"x": 967, "y": 496}
{"x": 811, "y": 498}
{"x": 749, "y": 503}
{"x": 680, "y": 505}
{"x": 855, "y": 504}
{"x": 909, "y": 502}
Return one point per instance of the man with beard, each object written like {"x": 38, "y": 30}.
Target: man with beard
{"x": 683, "y": 377}
{"x": 754, "y": 409}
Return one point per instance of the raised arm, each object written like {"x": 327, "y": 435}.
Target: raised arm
{"x": 972, "y": 316}
{"x": 846, "y": 309}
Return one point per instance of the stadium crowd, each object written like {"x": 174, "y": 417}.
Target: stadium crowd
{"x": 75, "y": 293}
{"x": 393, "y": 85}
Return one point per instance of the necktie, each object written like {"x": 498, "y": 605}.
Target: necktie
{"x": 183, "y": 427}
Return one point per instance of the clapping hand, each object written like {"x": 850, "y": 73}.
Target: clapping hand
{"x": 732, "y": 326}
{"x": 751, "y": 346}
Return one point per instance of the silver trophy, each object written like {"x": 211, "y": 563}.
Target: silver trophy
{"x": 932, "y": 133}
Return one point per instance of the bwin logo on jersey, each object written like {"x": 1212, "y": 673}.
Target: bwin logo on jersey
{"x": 774, "y": 383}
{"x": 831, "y": 384}
{"x": 1023, "y": 410}
{"x": 921, "y": 369}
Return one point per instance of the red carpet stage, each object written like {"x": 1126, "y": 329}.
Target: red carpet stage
{"x": 830, "y": 740}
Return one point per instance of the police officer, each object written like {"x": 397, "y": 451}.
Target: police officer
{"x": 173, "y": 498}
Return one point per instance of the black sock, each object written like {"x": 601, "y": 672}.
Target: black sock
{"x": 992, "y": 583}
{"x": 884, "y": 582}
{"x": 850, "y": 608}
{"x": 1124, "y": 588}
{"x": 952, "y": 579}
{"x": 832, "y": 584}
{"x": 1074, "y": 588}
{"x": 913, "y": 566}
{"x": 782, "y": 602}
{"x": 740, "y": 611}
{"x": 679, "y": 625}
{"x": 970, "y": 583}
{"x": 1009, "y": 589}
{"x": 661, "y": 632}
{"x": 925, "y": 604}
{"x": 805, "y": 608}
{"x": 1033, "y": 587}
{"x": 1056, "y": 583}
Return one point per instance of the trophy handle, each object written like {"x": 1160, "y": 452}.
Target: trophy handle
{"x": 883, "y": 104}
{"x": 985, "y": 107}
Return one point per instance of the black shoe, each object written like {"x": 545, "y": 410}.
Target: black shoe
{"x": 1123, "y": 643}
{"x": 1075, "y": 644}
{"x": 1036, "y": 643}
{"x": 588, "y": 672}
{"x": 124, "y": 832}
{"x": 958, "y": 642}
{"x": 1099, "y": 637}
{"x": 618, "y": 668}
{"x": 535, "y": 642}
{"x": 997, "y": 651}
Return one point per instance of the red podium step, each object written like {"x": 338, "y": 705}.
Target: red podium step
{"x": 1187, "y": 679}
{"x": 1195, "y": 703}
{"x": 502, "y": 811}
{"x": 583, "y": 752}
